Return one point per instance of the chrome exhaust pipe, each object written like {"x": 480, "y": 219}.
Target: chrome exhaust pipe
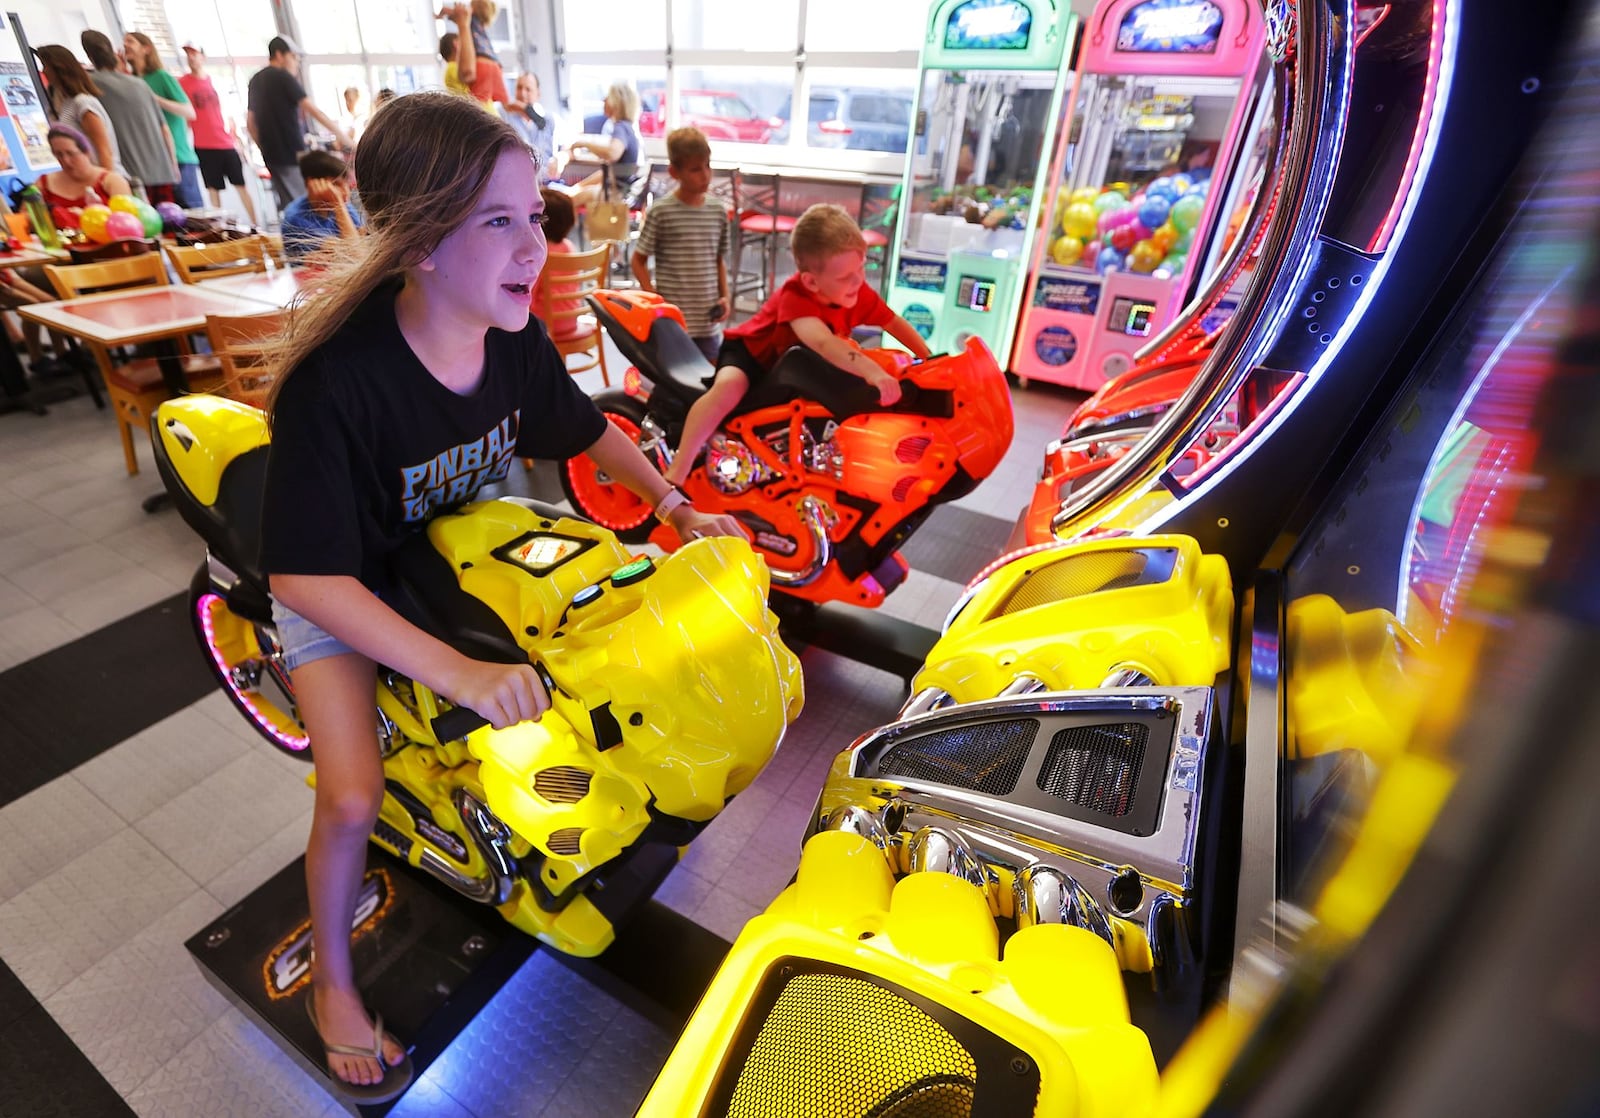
{"x": 1045, "y": 895}
{"x": 936, "y": 850}
{"x": 1023, "y": 684}
{"x": 856, "y": 820}
{"x": 1126, "y": 675}
{"x": 815, "y": 518}
{"x": 493, "y": 840}
{"x": 928, "y": 699}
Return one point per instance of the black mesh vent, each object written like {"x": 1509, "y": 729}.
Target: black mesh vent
{"x": 839, "y": 1047}
{"x": 1096, "y": 767}
{"x": 567, "y": 842}
{"x": 1074, "y": 577}
{"x": 984, "y": 757}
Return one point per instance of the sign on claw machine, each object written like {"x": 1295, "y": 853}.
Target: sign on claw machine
{"x": 1163, "y": 93}
{"x": 989, "y": 99}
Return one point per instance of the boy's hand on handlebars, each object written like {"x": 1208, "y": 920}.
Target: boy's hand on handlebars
{"x": 505, "y": 694}
{"x": 888, "y": 387}
{"x": 691, "y": 524}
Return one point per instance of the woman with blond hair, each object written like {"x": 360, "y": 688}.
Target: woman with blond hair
{"x": 617, "y": 144}
{"x": 415, "y": 377}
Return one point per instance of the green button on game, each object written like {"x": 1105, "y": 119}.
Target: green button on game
{"x": 633, "y": 572}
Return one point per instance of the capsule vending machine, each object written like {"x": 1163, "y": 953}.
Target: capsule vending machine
{"x": 989, "y": 99}
{"x": 1163, "y": 93}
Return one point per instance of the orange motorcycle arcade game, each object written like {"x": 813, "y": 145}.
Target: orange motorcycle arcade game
{"x": 828, "y": 481}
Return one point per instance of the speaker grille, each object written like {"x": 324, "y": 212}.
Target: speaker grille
{"x": 1076, "y": 576}
{"x": 984, "y": 757}
{"x": 839, "y": 1047}
{"x": 562, "y": 784}
{"x": 566, "y": 842}
{"x": 1096, "y": 767}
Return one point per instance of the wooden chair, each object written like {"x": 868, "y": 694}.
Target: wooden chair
{"x": 273, "y": 244}
{"x": 112, "y": 250}
{"x": 559, "y": 302}
{"x": 135, "y": 388}
{"x": 236, "y": 340}
{"x": 216, "y": 261}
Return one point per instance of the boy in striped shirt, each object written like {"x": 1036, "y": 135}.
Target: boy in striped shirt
{"x": 687, "y": 235}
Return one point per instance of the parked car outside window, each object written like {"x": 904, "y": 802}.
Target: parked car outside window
{"x": 859, "y": 119}
{"x": 721, "y": 114}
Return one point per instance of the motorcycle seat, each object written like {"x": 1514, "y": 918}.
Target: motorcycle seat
{"x": 803, "y": 373}
{"x": 230, "y": 526}
{"x": 431, "y": 598}
{"x": 670, "y": 359}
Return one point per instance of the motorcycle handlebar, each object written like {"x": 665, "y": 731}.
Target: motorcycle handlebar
{"x": 458, "y": 722}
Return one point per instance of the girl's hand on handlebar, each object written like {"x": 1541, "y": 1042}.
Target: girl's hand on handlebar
{"x": 505, "y": 694}
{"x": 691, "y": 524}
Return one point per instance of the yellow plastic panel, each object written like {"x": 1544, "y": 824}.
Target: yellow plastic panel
{"x": 209, "y": 433}
{"x": 1072, "y": 615}
{"x": 1355, "y": 680}
{"x": 1056, "y": 993}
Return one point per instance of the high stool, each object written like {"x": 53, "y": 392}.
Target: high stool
{"x": 757, "y": 223}
{"x": 877, "y": 229}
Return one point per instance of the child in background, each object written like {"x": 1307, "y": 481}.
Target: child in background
{"x": 817, "y": 307}
{"x": 559, "y": 220}
{"x": 325, "y": 211}
{"x": 687, "y": 234}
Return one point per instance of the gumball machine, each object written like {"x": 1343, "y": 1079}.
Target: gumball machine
{"x": 1158, "y": 113}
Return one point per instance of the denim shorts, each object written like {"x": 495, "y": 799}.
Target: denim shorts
{"x": 302, "y": 641}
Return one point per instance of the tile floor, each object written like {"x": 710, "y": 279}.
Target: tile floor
{"x": 109, "y": 868}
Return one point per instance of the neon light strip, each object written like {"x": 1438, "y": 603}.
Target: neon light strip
{"x": 1261, "y": 420}
{"x": 1380, "y": 240}
{"x": 1402, "y": 596}
{"x": 1369, "y": 292}
{"x": 295, "y": 744}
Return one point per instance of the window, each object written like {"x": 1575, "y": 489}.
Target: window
{"x": 616, "y": 25}
{"x": 736, "y": 25}
{"x": 853, "y": 27}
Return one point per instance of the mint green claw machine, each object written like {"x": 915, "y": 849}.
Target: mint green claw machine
{"x": 992, "y": 81}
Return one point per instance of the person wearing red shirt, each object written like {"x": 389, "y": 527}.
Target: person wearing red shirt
{"x": 213, "y": 144}
{"x": 816, "y": 307}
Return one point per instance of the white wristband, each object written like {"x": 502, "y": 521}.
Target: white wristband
{"x": 669, "y": 504}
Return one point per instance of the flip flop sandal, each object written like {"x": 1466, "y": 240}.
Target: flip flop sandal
{"x": 395, "y": 1079}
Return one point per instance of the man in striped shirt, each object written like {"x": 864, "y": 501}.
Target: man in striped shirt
{"x": 687, "y": 235}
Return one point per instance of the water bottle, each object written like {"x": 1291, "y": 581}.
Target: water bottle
{"x": 39, "y": 215}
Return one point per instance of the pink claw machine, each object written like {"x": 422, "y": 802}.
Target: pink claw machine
{"x": 1158, "y": 113}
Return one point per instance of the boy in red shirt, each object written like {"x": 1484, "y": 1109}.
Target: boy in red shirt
{"x": 816, "y": 307}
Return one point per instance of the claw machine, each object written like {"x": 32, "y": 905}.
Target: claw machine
{"x": 1165, "y": 89}
{"x": 990, "y": 91}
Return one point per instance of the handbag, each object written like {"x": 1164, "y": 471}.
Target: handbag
{"x": 607, "y": 219}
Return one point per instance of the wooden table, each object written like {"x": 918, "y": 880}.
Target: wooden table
{"x": 33, "y": 253}
{"x": 141, "y": 314}
{"x": 278, "y": 287}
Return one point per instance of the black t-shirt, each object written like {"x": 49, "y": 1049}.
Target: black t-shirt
{"x": 367, "y": 445}
{"x": 275, "y": 96}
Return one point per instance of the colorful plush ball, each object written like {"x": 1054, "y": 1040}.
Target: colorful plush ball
{"x": 1184, "y": 242}
{"x": 93, "y": 223}
{"x": 1153, "y": 214}
{"x": 1085, "y": 194}
{"x": 1122, "y": 238}
{"x": 1162, "y": 188}
{"x": 1181, "y": 183}
{"x": 1144, "y": 257}
{"x": 1109, "y": 201}
{"x": 124, "y": 203}
{"x": 146, "y": 213}
{"x": 172, "y": 215}
{"x": 1091, "y": 250}
{"x": 1066, "y": 250}
{"x": 1186, "y": 213}
{"x": 1079, "y": 220}
{"x": 1109, "y": 260}
{"x": 1176, "y": 262}
{"x": 122, "y": 226}
{"x": 1165, "y": 237}
{"x": 1141, "y": 231}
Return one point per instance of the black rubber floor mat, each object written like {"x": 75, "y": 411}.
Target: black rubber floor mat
{"x": 43, "y": 1071}
{"x": 72, "y": 703}
{"x": 956, "y": 543}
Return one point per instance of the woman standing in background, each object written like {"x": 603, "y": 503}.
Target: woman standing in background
{"x": 142, "y": 55}
{"x": 77, "y": 103}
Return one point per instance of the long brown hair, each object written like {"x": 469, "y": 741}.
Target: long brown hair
{"x": 151, "y": 60}
{"x": 421, "y": 167}
{"x": 65, "y": 73}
